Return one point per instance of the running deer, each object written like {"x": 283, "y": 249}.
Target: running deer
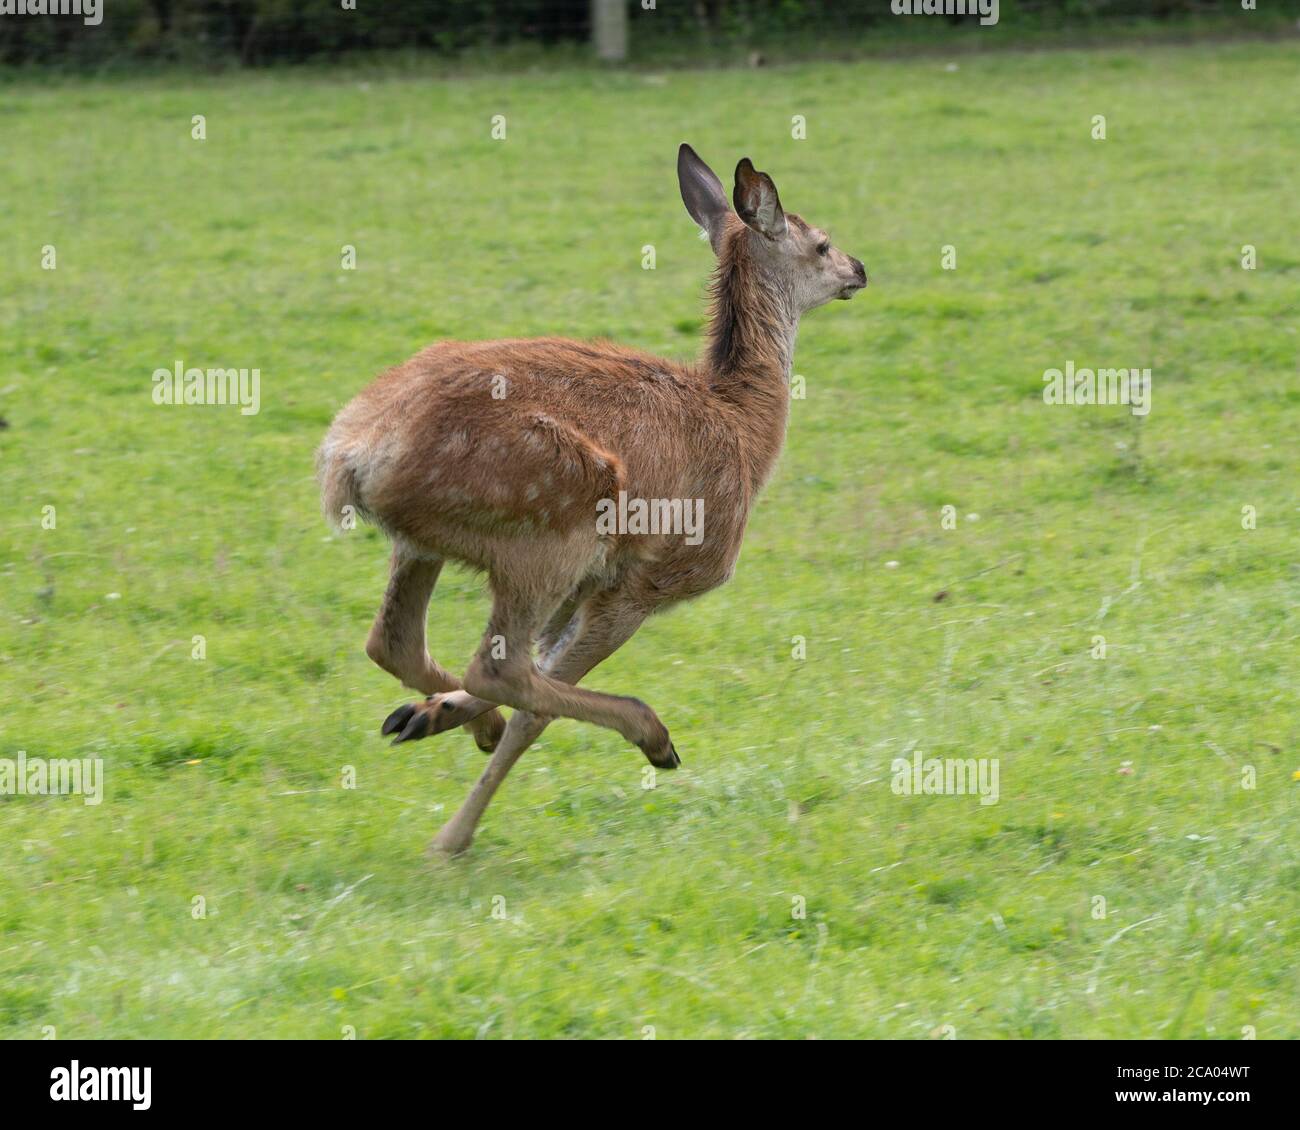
{"x": 501, "y": 454}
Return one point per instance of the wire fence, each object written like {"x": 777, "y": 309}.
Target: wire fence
{"x": 259, "y": 32}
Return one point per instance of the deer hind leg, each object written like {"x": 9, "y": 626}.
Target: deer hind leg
{"x": 593, "y": 633}
{"x": 397, "y": 644}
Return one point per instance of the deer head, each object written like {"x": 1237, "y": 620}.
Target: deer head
{"x": 791, "y": 260}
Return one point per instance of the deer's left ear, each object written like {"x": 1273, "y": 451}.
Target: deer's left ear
{"x": 702, "y": 193}
{"x": 756, "y": 200}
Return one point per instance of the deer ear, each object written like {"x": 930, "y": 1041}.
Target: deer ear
{"x": 702, "y": 194}
{"x": 757, "y": 202}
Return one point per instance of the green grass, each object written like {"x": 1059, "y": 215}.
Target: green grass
{"x": 1121, "y": 778}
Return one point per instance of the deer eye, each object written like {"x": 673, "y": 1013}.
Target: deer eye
{"x": 824, "y": 247}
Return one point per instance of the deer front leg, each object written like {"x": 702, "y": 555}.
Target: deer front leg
{"x": 508, "y": 676}
{"x": 592, "y": 634}
{"x": 521, "y": 731}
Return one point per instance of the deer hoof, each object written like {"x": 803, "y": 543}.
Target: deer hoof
{"x": 397, "y": 721}
{"x": 664, "y": 757}
{"x": 416, "y": 728}
{"x": 448, "y": 844}
{"x": 487, "y": 730}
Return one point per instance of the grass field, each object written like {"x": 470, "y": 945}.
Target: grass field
{"x": 590, "y": 906}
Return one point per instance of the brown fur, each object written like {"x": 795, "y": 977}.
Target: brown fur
{"x": 510, "y": 484}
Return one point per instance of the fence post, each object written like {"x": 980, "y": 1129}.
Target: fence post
{"x": 609, "y": 29}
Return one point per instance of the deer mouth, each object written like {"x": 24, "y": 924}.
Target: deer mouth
{"x": 858, "y": 281}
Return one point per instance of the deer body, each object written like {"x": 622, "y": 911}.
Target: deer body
{"x": 498, "y": 454}
{"x": 438, "y": 462}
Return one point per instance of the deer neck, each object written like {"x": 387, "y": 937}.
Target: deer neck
{"x": 750, "y": 355}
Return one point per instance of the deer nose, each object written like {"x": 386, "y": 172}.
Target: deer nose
{"x": 861, "y": 270}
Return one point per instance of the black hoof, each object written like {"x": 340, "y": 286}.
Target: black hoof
{"x": 415, "y": 729}
{"x": 666, "y": 759}
{"x": 397, "y": 719}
